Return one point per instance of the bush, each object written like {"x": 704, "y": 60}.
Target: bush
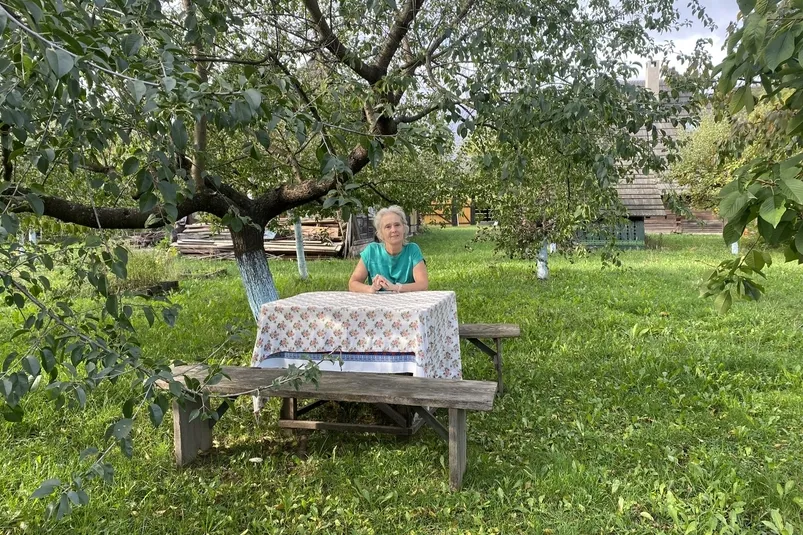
{"x": 149, "y": 267}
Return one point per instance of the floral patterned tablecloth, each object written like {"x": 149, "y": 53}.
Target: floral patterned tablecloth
{"x": 414, "y": 332}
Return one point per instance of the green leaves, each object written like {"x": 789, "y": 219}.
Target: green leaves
{"x": 723, "y": 301}
{"x": 792, "y": 188}
{"x": 779, "y": 49}
{"x": 60, "y": 62}
{"x": 46, "y": 488}
{"x": 772, "y": 210}
{"x": 36, "y": 203}
{"x": 131, "y": 166}
{"x": 179, "y": 134}
{"x": 137, "y": 89}
{"x": 254, "y": 98}
{"x": 746, "y": 6}
{"x": 741, "y": 98}
{"x": 120, "y": 429}
{"x": 131, "y": 44}
{"x": 733, "y": 204}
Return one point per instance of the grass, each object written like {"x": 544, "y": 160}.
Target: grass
{"x": 630, "y": 407}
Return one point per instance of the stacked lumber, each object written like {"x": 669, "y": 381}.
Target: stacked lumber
{"x": 322, "y": 239}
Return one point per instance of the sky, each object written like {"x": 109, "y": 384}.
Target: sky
{"x": 722, "y": 11}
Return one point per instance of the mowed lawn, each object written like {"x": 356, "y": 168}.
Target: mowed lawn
{"x": 631, "y": 406}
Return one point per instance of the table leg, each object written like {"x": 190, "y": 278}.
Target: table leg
{"x": 457, "y": 447}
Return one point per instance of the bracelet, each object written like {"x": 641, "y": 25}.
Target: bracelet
{"x": 399, "y": 286}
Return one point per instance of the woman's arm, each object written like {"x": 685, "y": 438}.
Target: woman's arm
{"x": 421, "y": 278}
{"x": 357, "y": 280}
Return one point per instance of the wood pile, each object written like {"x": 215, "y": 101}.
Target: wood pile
{"x": 147, "y": 238}
{"x": 323, "y": 238}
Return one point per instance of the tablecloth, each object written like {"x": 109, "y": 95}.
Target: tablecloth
{"x": 415, "y": 332}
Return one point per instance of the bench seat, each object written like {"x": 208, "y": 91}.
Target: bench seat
{"x": 475, "y": 332}
{"x": 417, "y": 392}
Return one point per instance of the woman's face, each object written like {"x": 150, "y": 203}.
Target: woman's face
{"x": 391, "y": 229}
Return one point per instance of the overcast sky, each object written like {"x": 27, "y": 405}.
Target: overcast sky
{"x": 722, "y": 11}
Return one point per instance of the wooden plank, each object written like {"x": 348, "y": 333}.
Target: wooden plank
{"x": 457, "y": 447}
{"x": 489, "y": 330}
{"x": 189, "y": 437}
{"x": 430, "y": 419}
{"x": 352, "y": 386}
{"x": 393, "y": 414}
{"x": 338, "y": 426}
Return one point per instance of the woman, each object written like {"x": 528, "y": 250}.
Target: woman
{"x": 392, "y": 265}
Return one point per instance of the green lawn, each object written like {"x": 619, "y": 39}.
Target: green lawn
{"x": 631, "y": 406}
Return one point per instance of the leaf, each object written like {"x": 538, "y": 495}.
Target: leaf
{"x": 120, "y": 429}
{"x": 733, "y": 204}
{"x": 60, "y": 61}
{"x": 792, "y": 188}
{"x": 751, "y": 290}
{"x": 9, "y": 223}
{"x": 13, "y": 414}
{"x": 31, "y": 365}
{"x": 746, "y": 6}
{"x": 263, "y": 138}
{"x": 137, "y": 89}
{"x": 156, "y": 414}
{"x": 772, "y": 210}
{"x": 799, "y": 240}
{"x": 131, "y": 44}
{"x": 780, "y": 49}
{"x": 254, "y": 98}
{"x": 36, "y": 203}
{"x": 179, "y": 134}
{"x": 3, "y": 22}
{"x": 88, "y": 452}
{"x": 131, "y": 166}
{"x": 46, "y": 488}
{"x": 169, "y": 83}
{"x": 733, "y": 231}
{"x": 723, "y": 301}
{"x": 128, "y": 407}
{"x": 148, "y": 311}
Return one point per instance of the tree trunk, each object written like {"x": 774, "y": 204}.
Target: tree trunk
{"x": 300, "y": 258}
{"x": 249, "y": 251}
{"x": 542, "y": 267}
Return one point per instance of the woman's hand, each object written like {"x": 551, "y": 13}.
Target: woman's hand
{"x": 379, "y": 283}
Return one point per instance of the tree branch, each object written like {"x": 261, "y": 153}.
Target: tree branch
{"x": 8, "y": 168}
{"x": 369, "y": 73}
{"x": 418, "y": 116}
{"x": 121, "y": 218}
{"x": 398, "y": 32}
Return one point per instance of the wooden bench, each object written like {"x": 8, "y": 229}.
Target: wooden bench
{"x": 473, "y": 332}
{"x": 457, "y": 396}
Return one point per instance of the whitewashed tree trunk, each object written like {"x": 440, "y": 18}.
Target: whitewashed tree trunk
{"x": 301, "y": 259}
{"x": 735, "y": 248}
{"x": 541, "y": 262}
{"x": 249, "y": 252}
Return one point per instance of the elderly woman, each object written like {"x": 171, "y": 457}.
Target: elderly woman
{"x": 393, "y": 265}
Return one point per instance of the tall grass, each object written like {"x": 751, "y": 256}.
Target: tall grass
{"x": 631, "y": 407}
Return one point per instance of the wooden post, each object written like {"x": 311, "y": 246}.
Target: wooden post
{"x": 457, "y": 447}
{"x": 189, "y": 436}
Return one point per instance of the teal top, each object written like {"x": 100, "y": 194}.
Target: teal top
{"x": 398, "y": 269}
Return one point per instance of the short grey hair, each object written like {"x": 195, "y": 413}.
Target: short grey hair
{"x": 394, "y": 209}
